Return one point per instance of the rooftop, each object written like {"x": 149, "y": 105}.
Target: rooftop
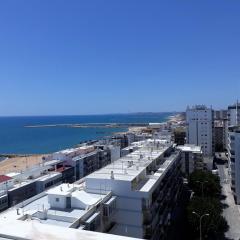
{"x": 199, "y": 107}
{"x": 49, "y": 175}
{"x": 4, "y": 178}
{"x": 84, "y": 155}
{"x": 129, "y": 167}
{"x": 234, "y": 129}
{"x": 190, "y": 148}
{"x": 63, "y": 189}
{"x": 34, "y": 230}
{"x": 123, "y": 171}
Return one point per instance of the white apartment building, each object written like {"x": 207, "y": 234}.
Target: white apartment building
{"x": 192, "y": 158}
{"x": 133, "y": 196}
{"x": 144, "y": 182}
{"x": 200, "y": 127}
{"x": 234, "y": 161}
{"x": 234, "y": 114}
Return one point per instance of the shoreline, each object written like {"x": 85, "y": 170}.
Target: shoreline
{"x": 130, "y": 126}
{"x": 20, "y": 163}
{"x": 89, "y": 125}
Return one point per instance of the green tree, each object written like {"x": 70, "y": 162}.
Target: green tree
{"x": 212, "y": 225}
{"x": 205, "y": 183}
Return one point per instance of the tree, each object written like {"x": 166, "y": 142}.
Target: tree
{"x": 205, "y": 183}
{"x": 207, "y": 191}
{"x": 213, "y": 225}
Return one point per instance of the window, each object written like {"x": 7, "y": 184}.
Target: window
{"x": 57, "y": 199}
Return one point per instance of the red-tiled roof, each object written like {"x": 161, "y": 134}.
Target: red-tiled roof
{"x": 4, "y": 178}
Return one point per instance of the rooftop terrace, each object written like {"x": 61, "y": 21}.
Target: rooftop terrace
{"x": 129, "y": 167}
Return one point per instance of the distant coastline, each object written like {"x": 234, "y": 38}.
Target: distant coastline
{"x": 43, "y": 135}
{"x": 90, "y": 125}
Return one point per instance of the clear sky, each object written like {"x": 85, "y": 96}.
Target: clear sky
{"x": 97, "y": 56}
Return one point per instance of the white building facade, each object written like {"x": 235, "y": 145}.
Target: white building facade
{"x": 146, "y": 184}
{"x": 192, "y": 158}
{"x": 134, "y": 196}
{"x": 234, "y": 114}
{"x": 234, "y": 161}
{"x": 200, "y": 128}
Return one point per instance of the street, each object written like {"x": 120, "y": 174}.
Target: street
{"x": 231, "y": 212}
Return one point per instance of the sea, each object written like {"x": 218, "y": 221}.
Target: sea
{"x": 16, "y": 138}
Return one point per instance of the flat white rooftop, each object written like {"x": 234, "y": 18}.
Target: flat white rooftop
{"x": 31, "y": 208}
{"x": 63, "y": 189}
{"x": 129, "y": 167}
{"x": 34, "y": 230}
{"x": 49, "y": 176}
{"x": 152, "y": 179}
{"x": 190, "y": 148}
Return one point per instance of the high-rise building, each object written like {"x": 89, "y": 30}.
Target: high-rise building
{"x": 200, "y": 128}
{"x": 233, "y": 120}
{"x": 234, "y": 160}
{"x": 192, "y": 158}
{"x": 179, "y": 134}
{"x": 219, "y": 135}
{"x": 220, "y": 114}
{"x": 234, "y": 114}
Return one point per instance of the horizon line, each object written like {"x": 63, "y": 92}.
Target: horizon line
{"x": 90, "y": 114}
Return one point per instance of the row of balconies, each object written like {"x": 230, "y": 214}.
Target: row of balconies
{"x": 165, "y": 199}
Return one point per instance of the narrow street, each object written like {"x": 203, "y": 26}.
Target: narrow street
{"x": 231, "y": 212}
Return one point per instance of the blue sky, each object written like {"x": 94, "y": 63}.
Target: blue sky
{"x": 86, "y": 57}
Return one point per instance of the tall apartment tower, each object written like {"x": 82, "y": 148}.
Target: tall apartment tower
{"x": 233, "y": 144}
{"x": 234, "y": 114}
{"x": 234, "y": 161}
{"x": 200, "y": 127}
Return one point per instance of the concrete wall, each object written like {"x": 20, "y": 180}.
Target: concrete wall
{"x": 61, "y": 203}
{"x": 75, "y": 203}
{"x": 128, "y": 218}
{"x": 115, "y": 153}
{"x": 125, "y": 203}
{"x": 101, "y": 185}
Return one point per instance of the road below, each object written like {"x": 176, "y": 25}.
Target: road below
{"x": 231, "y": 212}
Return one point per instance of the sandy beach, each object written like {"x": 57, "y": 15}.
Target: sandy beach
{"x": 176, "y": 118}
{"x": 16, "y": 164}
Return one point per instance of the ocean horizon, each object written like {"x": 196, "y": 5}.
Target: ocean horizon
{"x": 17, "y": 138}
